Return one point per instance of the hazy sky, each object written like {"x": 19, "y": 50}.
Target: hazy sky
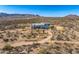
{"x": 43, "y": 10}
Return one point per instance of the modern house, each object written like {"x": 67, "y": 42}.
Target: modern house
{"x": 40, "y": 25}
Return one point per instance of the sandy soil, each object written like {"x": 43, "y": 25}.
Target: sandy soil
{"x": 22, "y": 42}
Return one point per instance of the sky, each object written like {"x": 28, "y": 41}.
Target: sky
{"x": 42, "y": 10}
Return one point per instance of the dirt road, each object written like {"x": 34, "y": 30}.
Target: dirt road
{"x": 19, "y": 43}
{"x": 30, "y": 43}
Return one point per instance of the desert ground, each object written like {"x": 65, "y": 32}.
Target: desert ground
{"x": 57, "y": 39}
{"x": 18, "y": 36}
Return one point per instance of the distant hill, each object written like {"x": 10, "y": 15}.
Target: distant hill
{"x": 5, "y": 16}
{"x": 71, "y": 16}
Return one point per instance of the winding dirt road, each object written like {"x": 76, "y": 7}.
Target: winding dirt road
{"x": 19, "y": 43}
{"x": 30, "y": 43}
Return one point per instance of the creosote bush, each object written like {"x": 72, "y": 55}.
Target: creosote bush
{"x": 7, "y": 47}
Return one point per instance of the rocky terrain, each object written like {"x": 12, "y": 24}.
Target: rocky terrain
{"x": 17, "y": 36}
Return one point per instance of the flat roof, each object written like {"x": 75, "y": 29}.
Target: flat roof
{"x": 39, "y": 23}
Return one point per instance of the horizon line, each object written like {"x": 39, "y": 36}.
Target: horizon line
{"x": 38, "y": 14}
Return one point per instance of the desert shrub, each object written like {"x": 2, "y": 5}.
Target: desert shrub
{"x": 5, "y": 40}
{"x": 35, "y": 44}
{"x": 7, "y": 47}
{"x": 43, "y": 51}
{"x": 51, "y": 27}
{"x": 1, "y": 36}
